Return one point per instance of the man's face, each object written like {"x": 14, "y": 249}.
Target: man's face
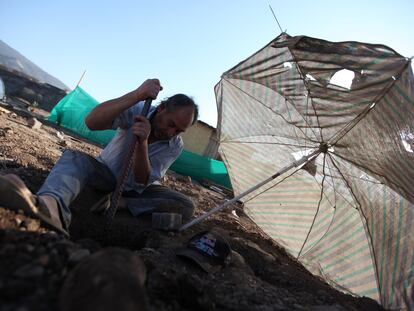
{"x": 167, "y": 124}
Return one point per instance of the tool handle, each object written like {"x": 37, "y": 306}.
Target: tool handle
{"x": 116, "y": 195}
{"x": 146, "y": 108}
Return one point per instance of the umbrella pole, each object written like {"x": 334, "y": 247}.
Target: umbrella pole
{"x": 301, "y": 161}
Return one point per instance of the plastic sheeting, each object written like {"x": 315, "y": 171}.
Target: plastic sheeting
{"x": 199, "y": 168}
{"x": 71, "y": 111}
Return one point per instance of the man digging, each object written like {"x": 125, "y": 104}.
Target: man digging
{"x": 158, "y": 145}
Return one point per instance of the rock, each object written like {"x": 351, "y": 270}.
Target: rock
{"x": 55, "y": 261}
{"x": 268, "y": 258}
{"x": 29, "y": 271}
{"x": 166, "y": 221}
{"x": 299, "y": 307}
{"x": 234, "y": 213}
{"x": 238, "y": 261}
{"x": 30, "y": 248}
{"x": 89, "y": 244}
{"x": 111, "y": 279}
{"x": 60, "y": 135}
{"x": 18, "y": 221}
{"x": 65, "y": 247}
{"x": 16, "y": 288}
{"x": 335, "y": 307}
{"x": 34, "y": 123}
{"x": 184, "y": 179}
{"x": 65, "y": 143}
{"x": 43, "y": 260}
{"x": 31, "y": 224}
{"x": 77, "y": 255}
{"x": 4, "y": 110}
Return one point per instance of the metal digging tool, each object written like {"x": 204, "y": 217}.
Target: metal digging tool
{"x": 129, "y": 159}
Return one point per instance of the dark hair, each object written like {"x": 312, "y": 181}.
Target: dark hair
{"x": 178, "y": 101}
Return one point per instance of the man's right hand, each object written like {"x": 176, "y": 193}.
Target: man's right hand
{"x": 149, "y": 89}
{"x": 103, "y": 115}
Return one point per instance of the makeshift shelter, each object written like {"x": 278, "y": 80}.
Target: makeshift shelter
{"x": 71, "y": 111}
{"x": 201, "y": 138}
{"x": 347, "y": 212}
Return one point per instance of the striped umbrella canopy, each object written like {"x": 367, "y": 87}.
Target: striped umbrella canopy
{"x": 347, "y": 214}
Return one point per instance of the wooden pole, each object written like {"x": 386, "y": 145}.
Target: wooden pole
{"x": 83, "y": 74}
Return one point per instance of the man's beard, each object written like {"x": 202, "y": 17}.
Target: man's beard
{"x": 158, "y": 134}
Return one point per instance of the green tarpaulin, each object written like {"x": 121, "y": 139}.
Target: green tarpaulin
{"x": 198, "y": 167}
{"x": 70, "y": 113}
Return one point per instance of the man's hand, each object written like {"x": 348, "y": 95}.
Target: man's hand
{"x": 141, "y": 129}
{"x": 149, "y": 89}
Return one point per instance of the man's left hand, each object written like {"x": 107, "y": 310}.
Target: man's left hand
{"x": 141, "y": 129}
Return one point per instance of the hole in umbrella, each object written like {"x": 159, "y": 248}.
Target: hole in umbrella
{"x": 372, "y": 105}
{"x": 343, "y": 78}
{"x": 407, "y": 139}
{"x": 287, "y": 65}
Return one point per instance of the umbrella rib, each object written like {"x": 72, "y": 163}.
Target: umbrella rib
{"x": 307, "y": 88}
{"x": 332, "y": 178}
{"x": 339, "y": 194}
{"x": 353, "y": 176}
{"x": 266, "y": 135}
{"x": 317, "y": 209}
{"x": 367, "y": 231}
{"x": 306, "y": 113}
{"x": 373, "y": 173}
{"x": 322, "y": 193}
{"x": 351, "y": 124}
{"x": 256, "y": 195}
{"x": 333, "y": 187}
{"x": 333, "y": 216}
{"x": 264, "y": 143}
{"x": 294, "y": 128}
{"x": 255, "y": 99}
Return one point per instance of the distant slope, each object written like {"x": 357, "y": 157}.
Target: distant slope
{"x": 14, "y": 61}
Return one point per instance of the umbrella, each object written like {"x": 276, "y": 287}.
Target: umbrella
{"x": 346, "y": 212}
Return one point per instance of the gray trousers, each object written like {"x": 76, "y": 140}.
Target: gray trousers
{"x": 74, "y": 170}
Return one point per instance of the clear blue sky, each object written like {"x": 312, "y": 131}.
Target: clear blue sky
{"x": 186, "y": 44}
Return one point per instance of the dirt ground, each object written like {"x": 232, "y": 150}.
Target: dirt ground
{"x": 34, "y": 262}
